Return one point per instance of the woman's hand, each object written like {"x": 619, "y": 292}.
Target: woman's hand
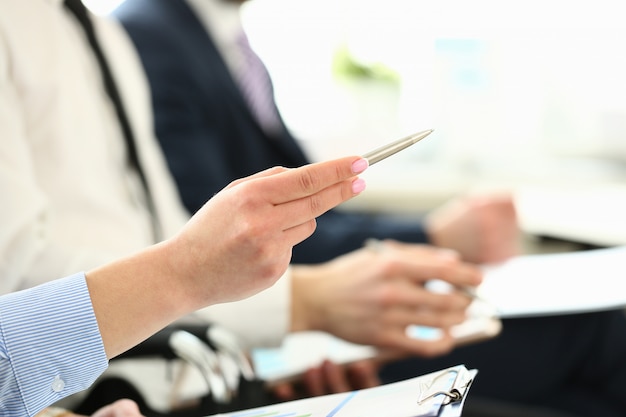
{"x": 242, "y": 238}
{"x": 238, "y": 244}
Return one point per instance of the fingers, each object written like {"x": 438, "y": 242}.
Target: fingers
{"x": 284, "y": 391}
{"x": 120, "y": 408}
{"x": 409, "y": 302}
{"x": 329, "y": 378}
{"x": 439, "y": 316}
{"x": 261, "y": 174}
{"x": 335, "y": 377}
{"x": 406, "y": 346}
{"x": 298, "y": 212}
{"x": 298, "y": 233}
{"x": 312, "y": 179}
{"x": 421, "y": 263}
{"x": 244, "y": 235}
{"x": 297, "y": 196}
{"x": 363, "y": 374}
{"x": 313, "y": 382}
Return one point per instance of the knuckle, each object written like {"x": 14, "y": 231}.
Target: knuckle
{"x": 272, "y": 261}
{"x": 251, "y": 234}
{"x": 245, "y": 197}
{"x": 316, "y": 205}
{"x": 385, "y": 297}
{"x": 450, "y": 319}
{"x": 446, "y": 301}
{"x": 273, "y": 271}
{"x": 339, "y": 172}
{"x": 308, "y": 181}
{"x": 277, "y": 169}
{"x": 439, "y": 320}
{"x": 389, "y": 266}
{"x": 453, "y": 302}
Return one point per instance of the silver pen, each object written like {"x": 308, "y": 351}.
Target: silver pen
{"x": 394, "y": 147}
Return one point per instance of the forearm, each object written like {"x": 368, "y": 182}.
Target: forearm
{"x": 135, "y": 297}
{"x": 305, "y": 283}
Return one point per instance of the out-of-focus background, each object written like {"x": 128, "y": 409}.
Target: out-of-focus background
{"x": 525, "y": 96}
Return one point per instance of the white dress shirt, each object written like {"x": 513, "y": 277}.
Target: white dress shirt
{"x": 47, "y": 350}
{"x": 222, "y": 19}
{"x": 70, "y": 200}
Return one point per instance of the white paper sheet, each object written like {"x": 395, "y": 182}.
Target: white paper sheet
{"x": 559, "y": 283}
{"x": 588, "y": 213}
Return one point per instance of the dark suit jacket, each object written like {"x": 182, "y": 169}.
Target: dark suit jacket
{"x": 208, "y": 133}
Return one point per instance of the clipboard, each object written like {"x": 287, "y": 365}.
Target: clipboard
{"x": 438, "y": 394}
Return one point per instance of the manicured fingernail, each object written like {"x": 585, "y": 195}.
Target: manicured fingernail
{"x": 358, "y": 185}
{"x": 359, "y": 165}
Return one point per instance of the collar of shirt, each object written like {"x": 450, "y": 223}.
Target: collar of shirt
{"x": 222, "y": 19}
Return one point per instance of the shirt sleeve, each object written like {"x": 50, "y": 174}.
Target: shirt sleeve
{"x": 50, "y": 345}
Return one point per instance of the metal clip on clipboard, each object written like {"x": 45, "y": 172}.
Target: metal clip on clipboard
{"x": 446, "y": 387}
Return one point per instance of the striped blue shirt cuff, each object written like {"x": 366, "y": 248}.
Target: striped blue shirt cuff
{"x": 50, "y": 345}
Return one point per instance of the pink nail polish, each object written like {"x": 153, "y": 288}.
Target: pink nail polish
{"x": 359, "y": 165}
{"x": 358, "y": 185}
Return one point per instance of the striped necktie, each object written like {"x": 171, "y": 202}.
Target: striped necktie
{"x": 256, "y": 86}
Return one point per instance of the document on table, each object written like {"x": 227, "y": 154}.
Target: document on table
{"x": 586, "y": 213}
{"x": 558, "y": 283}
{"x": 438, "y": 394}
